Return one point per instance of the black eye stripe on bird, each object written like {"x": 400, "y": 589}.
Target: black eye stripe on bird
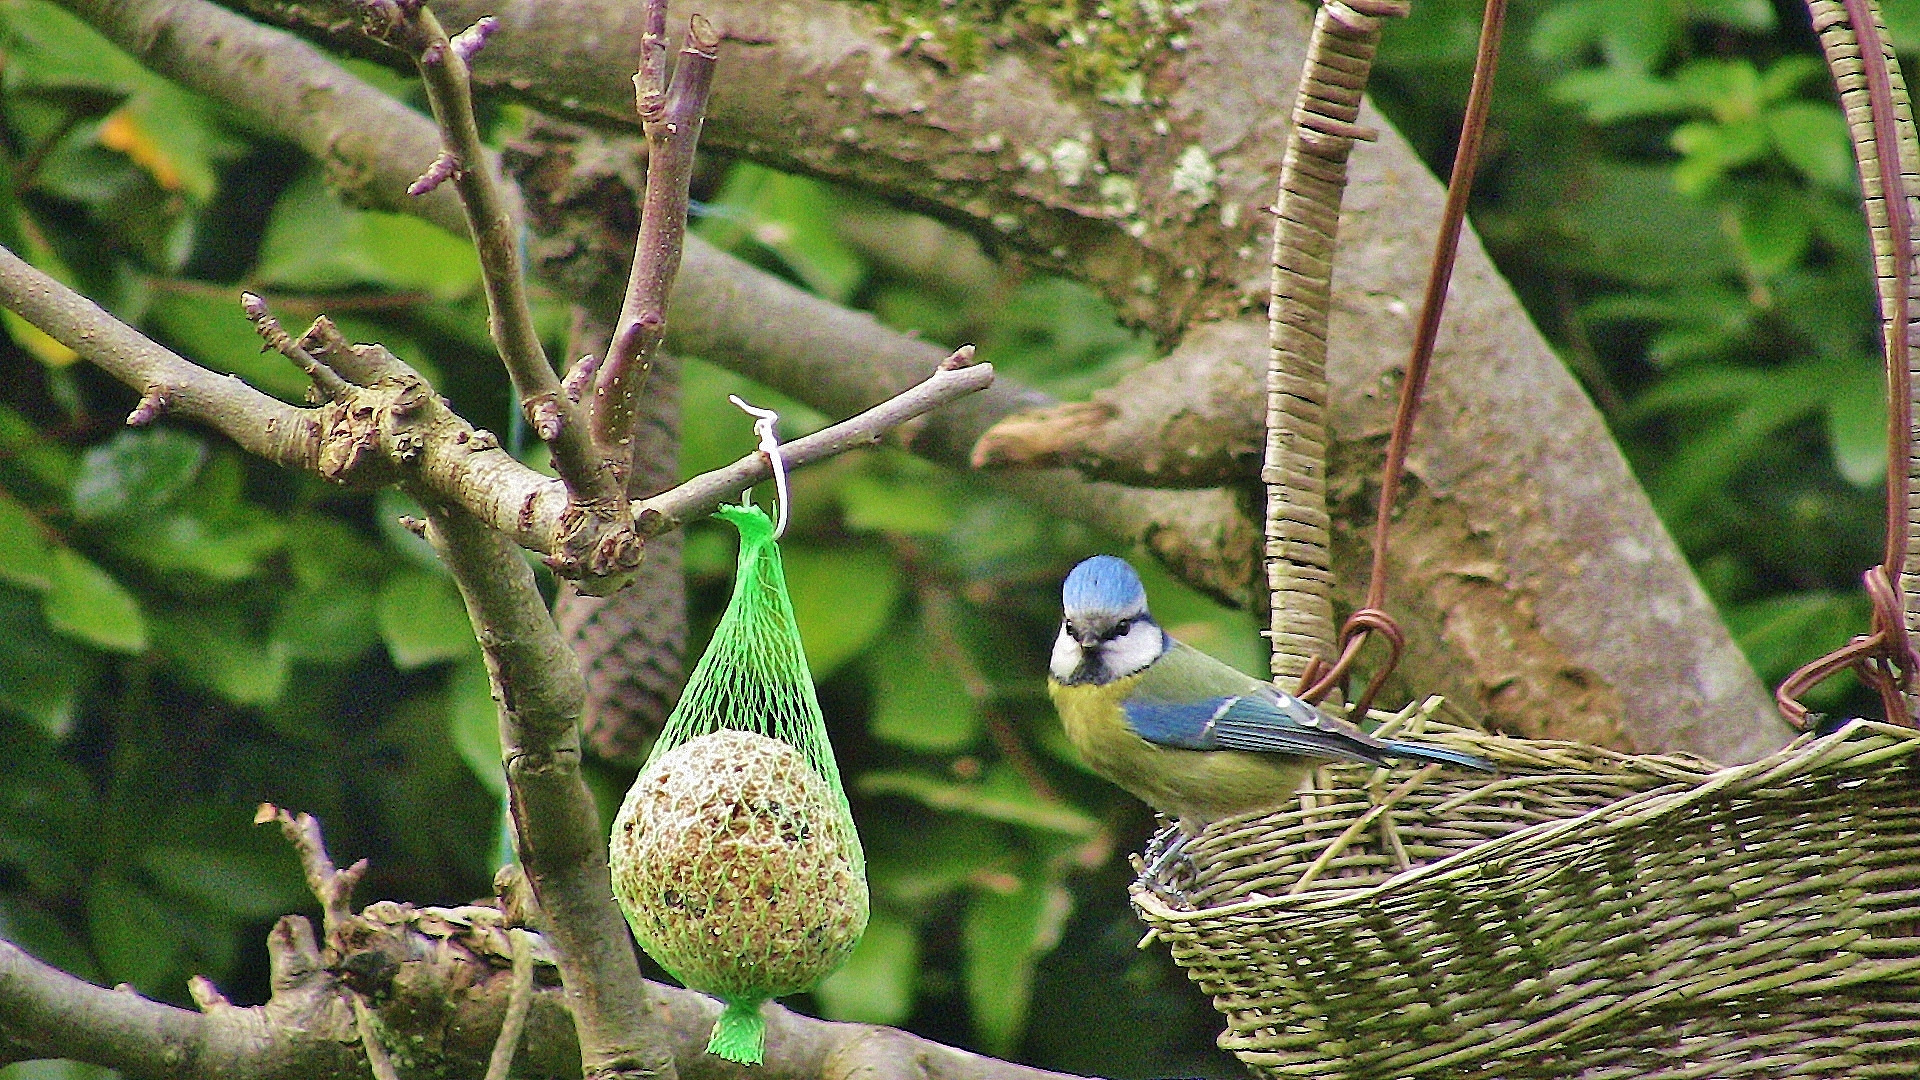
{"x": 1193, "y": 737}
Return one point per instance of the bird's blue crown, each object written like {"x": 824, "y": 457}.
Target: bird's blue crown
{"x": 1103, "y": 584}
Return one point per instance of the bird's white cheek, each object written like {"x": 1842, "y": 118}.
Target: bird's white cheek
{"x": 1066, "y": 656}
{"x": 1134, "y": 650}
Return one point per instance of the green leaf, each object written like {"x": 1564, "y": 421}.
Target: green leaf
{"x": 223, "y": 548}
{"x": 915, "y": 859}
{"x": 1753, "y": 406}
{"x": 1629, "y": 34}
{"x": 47, "y": 46}
{"x": 1729, "y": 90}
{"x": 43, "y": 937}
{"x": 1003, "y": 935}
{"x": 1857, "y": 427}
{"x": 423, "y": 620}
{"x": 1609, "y": 96}
{"x": 324, "y": 551}
{"x": 1812, "y": 137}
{"x": 1753, "y": 15}
{"x": 136, "y": 473}
{"x": 919, "y": 702}
{"x": 792, "y": 216}
{"x": 135, "y": 937}
{"x": 1785, "y": 76}
{"x": 26, "y": 555}
{"x": 910, "y": 507}
{"x": 315, "y": 242}
{"x": 1779, "y": 633}
{"x": 1903, "y": 24}
{"x": 473, "y": 722}
{"x": 877, "y": 984}
{"x": 213, "y": 649}
{"x": 174, "y": 137}
{"x": 33, "y": 458}
{"x": 1003, "y": 797}
{"x": 327, "y": 623}
{"x": 56, "y": 1069}
{"x": 1709, "y": 150}
{"x": 211, "y": 531}
{"x": 1774, "y": 230}
{"x": 1629, "y": 224}
{"x": 41, "y": 674}
{"x": 244, "y": 884}
{"x": 842, "y": 598}
{"x": 82, "y": 601}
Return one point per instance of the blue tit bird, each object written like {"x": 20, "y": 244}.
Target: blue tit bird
{"x": 1192, "y": 737}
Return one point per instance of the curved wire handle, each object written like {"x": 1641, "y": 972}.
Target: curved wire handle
{"x": 1853, "y": 36}
{"x": 763, "y": 426}
{"x": 1321, "y": 678}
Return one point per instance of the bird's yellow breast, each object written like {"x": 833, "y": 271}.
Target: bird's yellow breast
{"x": 1195, "y": 786}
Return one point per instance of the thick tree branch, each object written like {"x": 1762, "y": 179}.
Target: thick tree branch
{"x": 1537, "y": 582}
{"x": 453, "y": 997}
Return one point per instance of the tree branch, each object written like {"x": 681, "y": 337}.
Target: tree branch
{"x": 1580, "y": 620}
{"x": 454, "y": 998}
{"x": 262, "y": 425}
{"x": 956, "y": 377}
{"x": 836, "y": 360}
{"x": 671, "y": 116}
{"x": 398, "y": 428}
{"x": 537, "y": 686}
{"x": 443, "y": 67}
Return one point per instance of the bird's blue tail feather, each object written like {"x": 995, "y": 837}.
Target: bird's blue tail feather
{"x": 1420, "y": 752}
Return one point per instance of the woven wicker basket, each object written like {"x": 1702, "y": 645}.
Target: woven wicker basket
{"x": 1582, "y": 914}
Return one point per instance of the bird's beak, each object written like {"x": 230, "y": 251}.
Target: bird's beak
{"x": 1087, "y": 639}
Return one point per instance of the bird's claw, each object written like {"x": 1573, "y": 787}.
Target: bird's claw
{"x": 1168, "y": 867}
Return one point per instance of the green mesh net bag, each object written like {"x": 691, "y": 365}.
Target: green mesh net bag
{"x": 734, "y": 855}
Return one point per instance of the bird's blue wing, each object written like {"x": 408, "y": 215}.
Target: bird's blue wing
{"x": 1257, "y": 722}
{"x": 1191, "y": 701}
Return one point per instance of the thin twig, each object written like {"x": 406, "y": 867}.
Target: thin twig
{"x": 456, "y": 462}
{"x": 672, "y": 117}
{"x": 325, "y": 379}
{"x": 378, "y": 1062}
{"x": 330, "y": 885}
{"x": 444, "y": 73}
{"x": 700, "y": 495}
{"x": 519, "y": 1001}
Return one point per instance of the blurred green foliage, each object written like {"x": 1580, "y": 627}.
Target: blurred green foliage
{"x": 185, "y": 632}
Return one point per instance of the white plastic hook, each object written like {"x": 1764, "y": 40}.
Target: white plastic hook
{"x": 763, "y": 426}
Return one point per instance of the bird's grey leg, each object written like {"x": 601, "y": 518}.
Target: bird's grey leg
{"x": 1168, "y": 846}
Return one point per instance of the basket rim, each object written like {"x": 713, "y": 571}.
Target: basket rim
{"x": 1876, "y": 740}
